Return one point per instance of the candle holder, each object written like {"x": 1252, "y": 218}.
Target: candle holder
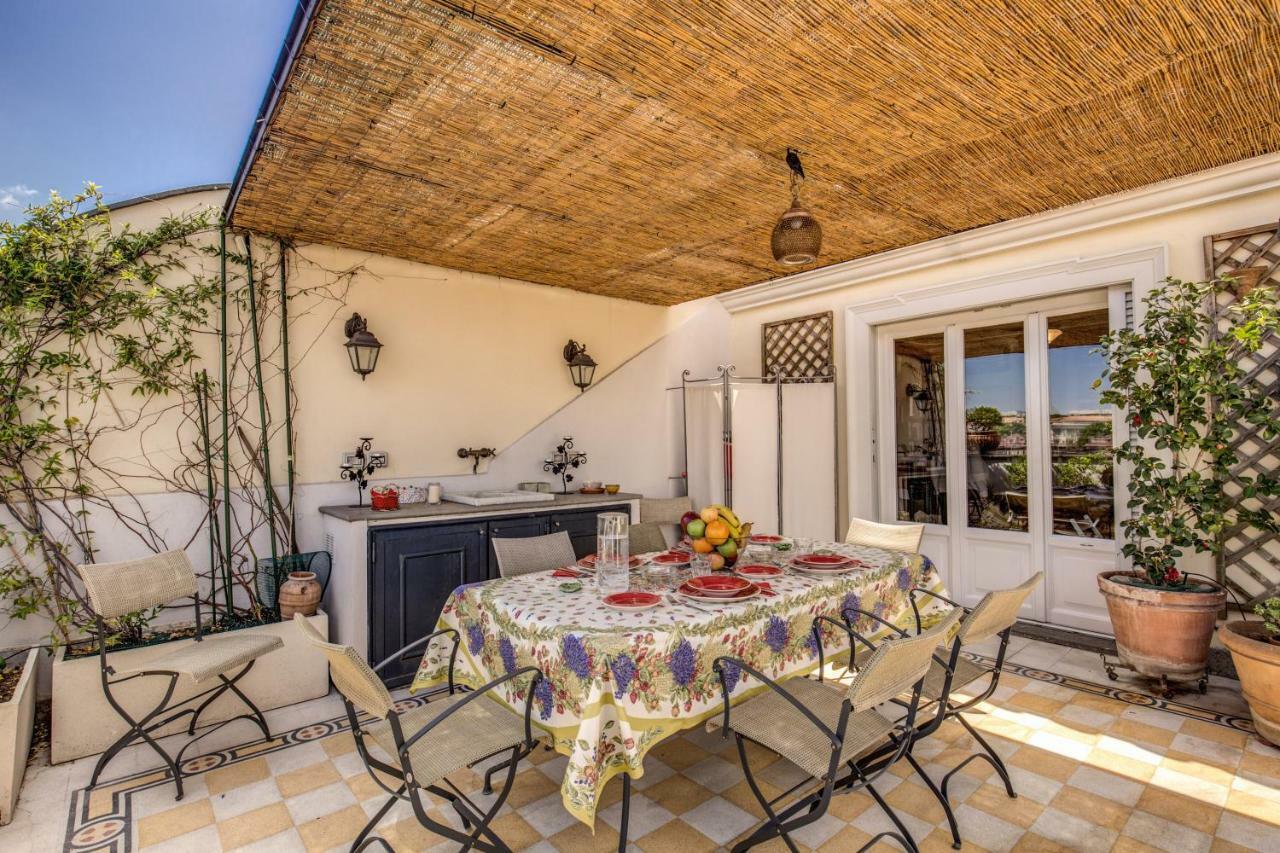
{"x": 359, "y": 469}
{"x": 563, "y": 462}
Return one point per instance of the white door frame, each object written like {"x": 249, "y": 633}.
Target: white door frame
{"x": 1142, "y": 268}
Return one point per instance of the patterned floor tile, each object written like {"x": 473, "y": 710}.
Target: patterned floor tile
{"x": 1096, "y": 766}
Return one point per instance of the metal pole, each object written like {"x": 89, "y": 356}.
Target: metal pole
{"x": 684, "y": 424}
{"x": 288, "y": 396}
{"x": 777, "y": 380}
{"x": 727, "y": 436}
{"x": 835, "y": 450}
{"x": 202, "y": 398}
{"x": 262, "y": 399}
{"x": 226, "y": 444}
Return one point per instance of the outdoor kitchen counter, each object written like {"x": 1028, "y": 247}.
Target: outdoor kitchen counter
{"x": 449, "y": 509}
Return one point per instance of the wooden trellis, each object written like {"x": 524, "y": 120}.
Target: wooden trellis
{"x": 1250, "y": 559}
{"x": 799, "y": 348}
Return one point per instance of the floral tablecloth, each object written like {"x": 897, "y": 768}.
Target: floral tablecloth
{"x": 617, "y": 683}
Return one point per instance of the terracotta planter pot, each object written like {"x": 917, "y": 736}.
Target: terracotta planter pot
{"x": 982, "y": 441}
{"x": 299, "y": 594}
{"x": 1162, "y": 632}
{"x": 1258, "y": 664}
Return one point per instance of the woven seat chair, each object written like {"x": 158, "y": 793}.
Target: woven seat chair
{"x": 993, "y": 616}
{"x": 645, "y": 538}
{"x": 533, "y": 553}
{"x": 665, "y": 512}
{"x": 118, "y": 589}
{"x": 888, "y": 537}
{"x": 426, "y": 744}
{"x": 827, "y": 730}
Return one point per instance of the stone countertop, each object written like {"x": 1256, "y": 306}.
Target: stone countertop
{"x": 449, "y": 509}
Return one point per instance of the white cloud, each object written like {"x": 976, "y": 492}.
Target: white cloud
{"x": 18, "y": 195}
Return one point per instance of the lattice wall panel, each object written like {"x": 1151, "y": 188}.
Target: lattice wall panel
{"x": 799, "y": 349}
{"x": 1250, "y": 561}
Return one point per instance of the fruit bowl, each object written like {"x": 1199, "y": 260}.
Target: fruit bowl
{"x": 716, "y": 532}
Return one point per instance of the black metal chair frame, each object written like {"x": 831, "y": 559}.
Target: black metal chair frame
{"x": 863, "y": 770}
{"x": 474, "y": 817}
{"x": 947, "y": 710}
{"x": 143, "y": 728}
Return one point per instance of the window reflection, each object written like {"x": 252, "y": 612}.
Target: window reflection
{"x": 919, "y": 407}
{"x": 1080, "y": 427}
{"x": 996, "y": 427}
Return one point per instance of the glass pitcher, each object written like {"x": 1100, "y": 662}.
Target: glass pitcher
{"x": 613, "y": 552}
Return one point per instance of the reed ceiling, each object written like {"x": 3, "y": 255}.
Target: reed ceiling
{"x": 634, "y": 148}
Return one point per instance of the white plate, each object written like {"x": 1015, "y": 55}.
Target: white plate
{"x": 706, "y": 599}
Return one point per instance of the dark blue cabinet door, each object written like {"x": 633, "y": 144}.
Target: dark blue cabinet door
{"x": 514, "y": 527}
{"x": 413, "y": 570}
{"x": 581, "y": 527}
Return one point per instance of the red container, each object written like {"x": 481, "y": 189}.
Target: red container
{"x": 384, "y": 499}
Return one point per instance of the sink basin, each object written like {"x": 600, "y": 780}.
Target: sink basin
{"x": 489, "y": 497}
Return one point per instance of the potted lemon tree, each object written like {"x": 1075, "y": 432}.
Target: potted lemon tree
{"x": 1179, "y": 379}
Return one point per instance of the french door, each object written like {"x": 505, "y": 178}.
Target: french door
{"x": 989, "y": 431}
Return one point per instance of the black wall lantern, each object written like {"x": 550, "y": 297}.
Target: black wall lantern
{"x": 582, "y": 367}
{"x": 922, "y": 397}
{"x": 362, "y": 346}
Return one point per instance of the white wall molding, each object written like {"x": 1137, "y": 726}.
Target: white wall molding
{"x": 1142, "y": 267}
{"x": 1242, "y": 178}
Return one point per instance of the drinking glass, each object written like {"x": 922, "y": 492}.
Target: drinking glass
{"x": 612, "y": 552}
{"x": 699, "y": 565}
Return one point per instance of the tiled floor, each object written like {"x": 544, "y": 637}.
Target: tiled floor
{"x": 1099, "y": 766}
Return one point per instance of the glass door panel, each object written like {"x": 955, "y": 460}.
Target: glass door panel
{"x": 1079, "y": 427}
{"x": 995, "y": 411}
{"x": 919, "y": 420}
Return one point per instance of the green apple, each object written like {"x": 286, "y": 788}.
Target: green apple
{"x": 729, "y": 549}
{"x": 696, "y": 528}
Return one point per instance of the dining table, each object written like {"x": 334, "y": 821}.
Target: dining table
{"x": 616, "y": 683}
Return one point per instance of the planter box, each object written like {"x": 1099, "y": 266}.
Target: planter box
{"x": 85, "y": 724}
{"x": 16, "y": 719}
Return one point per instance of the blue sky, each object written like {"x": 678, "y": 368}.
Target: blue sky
{"x": 997, "y": 380}
{"x": 138, "y": 96}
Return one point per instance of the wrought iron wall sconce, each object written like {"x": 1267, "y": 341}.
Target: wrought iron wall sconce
{"x": 922, "y": 397}
{"x": 360, "y": 465}
{"x": 582, "y": 367}
{"x": 564, "y": 460}
{"x": 362, "y": 346}
{"x": 476, "y": 454}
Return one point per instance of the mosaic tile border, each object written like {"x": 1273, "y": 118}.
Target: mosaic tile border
{"x": 101, "y": 819}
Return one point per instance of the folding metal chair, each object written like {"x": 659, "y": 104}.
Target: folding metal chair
{"x": 825, "y": 729}
{"x": 994, "y": 615}
{"x": 429, "y": 742}
{"x": 118, "y": 589}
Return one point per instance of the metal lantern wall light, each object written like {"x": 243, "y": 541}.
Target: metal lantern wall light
{"x": 582, "y": 367}
{"x": 362, "y": 346}
{"x": 797, "y": 238}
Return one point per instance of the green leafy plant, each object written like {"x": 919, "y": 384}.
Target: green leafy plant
{"x": 1179, "y": 379}
{"x": 87, "y": 316}
{"x": 1269, "y": 610}
{"x": 983, "y": 418}
{"x": 1087, "y": 469}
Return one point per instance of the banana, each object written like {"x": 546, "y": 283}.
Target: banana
{"x": 728, "y": 516}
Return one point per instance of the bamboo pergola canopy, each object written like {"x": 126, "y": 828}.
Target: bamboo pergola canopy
{"x": 635, "y": 149}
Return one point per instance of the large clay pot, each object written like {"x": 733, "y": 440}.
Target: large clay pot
{"x": 1257, "y": 661}
{"x": 1162, "y": 632}
{"x": 299, "y": 594}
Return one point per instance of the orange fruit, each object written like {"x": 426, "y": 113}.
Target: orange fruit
{"x": 709, "y": 514}
{"x": 717, "y": 532}
{"x": 702, "y": 546}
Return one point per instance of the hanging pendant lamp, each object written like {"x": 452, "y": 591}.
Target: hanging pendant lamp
{"x": 797, "y": 238}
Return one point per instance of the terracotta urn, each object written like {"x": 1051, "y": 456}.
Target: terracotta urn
{"x": 299, "y": 594}
{"x": 1162, "y": 632}
{"x": 1257, "y": 659}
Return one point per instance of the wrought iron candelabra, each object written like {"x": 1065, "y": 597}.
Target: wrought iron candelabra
{"x": 563, "y": 462}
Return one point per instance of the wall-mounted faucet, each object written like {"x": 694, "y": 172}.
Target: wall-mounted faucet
{"x": 476, "y": 454}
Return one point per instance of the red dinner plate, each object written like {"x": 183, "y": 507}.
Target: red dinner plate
{"x": 823, "y": 561}
{"x": 632, "y": 600}
{"x": 589, "y": 562}
{"x": 670, "y": 558}
{"x": 758, "y": 570}
{"x": 765, "y": 539}
{"x": 750, "y": 591}
{"x": 718, "y": 586}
